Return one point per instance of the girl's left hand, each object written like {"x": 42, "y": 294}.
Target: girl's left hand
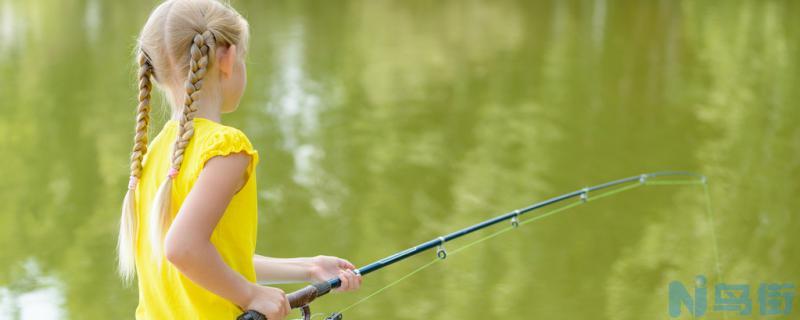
{"x": 326, "y": 267}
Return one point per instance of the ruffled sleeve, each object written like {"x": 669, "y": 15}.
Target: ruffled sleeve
{"x": 225, "y": 141}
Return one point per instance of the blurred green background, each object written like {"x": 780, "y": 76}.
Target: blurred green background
{"x": 382, "y": 124}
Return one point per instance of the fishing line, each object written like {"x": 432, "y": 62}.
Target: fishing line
{"x": 713, "y": 236}
{"x": 583, "y": 200}
{"x": 713, "y": 231}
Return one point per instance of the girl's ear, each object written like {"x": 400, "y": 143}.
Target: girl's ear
{"x": 226, "y": 59}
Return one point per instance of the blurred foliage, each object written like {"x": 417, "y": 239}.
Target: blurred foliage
{"x": 383, "y": 124}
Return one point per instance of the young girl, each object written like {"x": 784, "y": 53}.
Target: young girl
{"x": 189, "y": 218}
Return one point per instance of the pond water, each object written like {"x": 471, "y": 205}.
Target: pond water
{"x": 384, "y": 124}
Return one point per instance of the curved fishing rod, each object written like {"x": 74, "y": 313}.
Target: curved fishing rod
{"x": 303, "y": 297}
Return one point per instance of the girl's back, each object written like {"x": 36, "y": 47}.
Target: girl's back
{"x": 164, "y": 292}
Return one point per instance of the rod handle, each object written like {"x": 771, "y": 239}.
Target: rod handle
{"x": 297, "y": 299}
{"x": 307, "y": 294}
{"x": 251, "y": 315}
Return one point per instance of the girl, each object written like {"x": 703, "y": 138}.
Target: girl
{"x": 189, "y": 216}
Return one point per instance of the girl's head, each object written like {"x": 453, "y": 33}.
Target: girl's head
{"x": 194, "y": 51}
{"x": 180, "y": 32}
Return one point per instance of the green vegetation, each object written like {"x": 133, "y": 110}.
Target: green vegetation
{"x": 382, "y": 124}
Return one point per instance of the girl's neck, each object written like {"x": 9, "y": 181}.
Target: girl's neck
{"x": 206, "y": 108}
{"x": 205, "y": 114}
{"x": 214, "y": 115}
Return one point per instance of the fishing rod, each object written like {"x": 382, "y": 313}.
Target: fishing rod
{"x": 303, "y": 297}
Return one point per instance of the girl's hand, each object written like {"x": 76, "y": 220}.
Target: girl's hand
{"x": 326, "y": 267}
{"x": 269, "y": 301}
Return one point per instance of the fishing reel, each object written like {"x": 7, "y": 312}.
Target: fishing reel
{"x": 306, "y": 310}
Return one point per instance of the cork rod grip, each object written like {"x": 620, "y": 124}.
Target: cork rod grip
{"x": 297, "y": 299}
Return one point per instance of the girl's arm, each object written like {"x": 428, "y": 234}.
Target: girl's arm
{"x": 188, "y": 246}
{"x": 313, "y": 269}
{"x": 282, "y": 270}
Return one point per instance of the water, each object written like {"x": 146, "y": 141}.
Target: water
{"x": 385, "y": 124}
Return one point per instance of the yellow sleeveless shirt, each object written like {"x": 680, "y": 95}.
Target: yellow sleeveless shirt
{"x": 164, "y": 293}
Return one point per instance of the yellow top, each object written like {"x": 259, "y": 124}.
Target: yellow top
{"x": 164, "y": 293}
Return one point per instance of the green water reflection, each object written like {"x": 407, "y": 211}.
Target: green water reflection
{"x": 384, "y": 124}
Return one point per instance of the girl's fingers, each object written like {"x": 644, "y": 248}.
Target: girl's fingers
{"x": 353, "y": 280}
{"x": 349, "y": 280}
{"x": 357, "y": 282}
{"x": 286, "y": 306}
{"x": 344, "y": 264}
{"x": 345, "y": 281}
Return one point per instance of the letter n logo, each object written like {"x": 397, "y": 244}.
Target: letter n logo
{"x": 678, "y": 296}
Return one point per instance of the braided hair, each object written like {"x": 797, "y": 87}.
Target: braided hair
{"x": 199, "y": 52}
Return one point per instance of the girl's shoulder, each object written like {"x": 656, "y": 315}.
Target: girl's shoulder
{"x": 216, "y": 139}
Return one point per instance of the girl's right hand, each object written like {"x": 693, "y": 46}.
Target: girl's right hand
{"x": 269, "y": 301}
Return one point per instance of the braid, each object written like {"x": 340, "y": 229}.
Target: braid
{"x": 126, "y": 243}
{"x": 200, "y": 54}
{"x": 202, "y": 47}
{"x": 142, "y": 117}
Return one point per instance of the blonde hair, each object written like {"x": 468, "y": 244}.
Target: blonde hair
{"x": 177, "y": 44}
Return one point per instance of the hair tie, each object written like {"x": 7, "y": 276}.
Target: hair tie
{"x": 132, "y": 183}
{"x": 172, "y": 173}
